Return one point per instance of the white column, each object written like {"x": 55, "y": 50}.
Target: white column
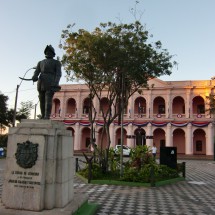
{"x": 188, "y": 104}
{"x": 114, "y": 138}
{"x": 168, "y": 106}
{"x": 63, "y": 106}
{"x": 149, "y": 105}
{"x": 131, "y": 107}
{"x": 149, "y": 142}
{"x": 79, "y": 106}
{"x": 210, "y": 140}
{"x": 130, "y": 141}
{"x": 77, "y": 144}
{"x": 112, "y": 135}
{"x": 169, "y": 137}
{"x": 97, "y": 138}
{"x": 189, "y": 140}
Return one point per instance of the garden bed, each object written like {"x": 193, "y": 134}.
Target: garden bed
{"x": 129, "y": 183}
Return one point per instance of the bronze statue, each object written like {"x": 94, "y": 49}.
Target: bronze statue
{"x": 49, "y": 72}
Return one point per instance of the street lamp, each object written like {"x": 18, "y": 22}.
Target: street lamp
{"x": 122, "y": 130}
{"x": 16, "y": 98}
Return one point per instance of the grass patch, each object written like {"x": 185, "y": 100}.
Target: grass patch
{"x": 130, "y": 183}
{"x": 87, "y": 209}
{"x": 121, "y": 183}
{"x": 137, "y": 184}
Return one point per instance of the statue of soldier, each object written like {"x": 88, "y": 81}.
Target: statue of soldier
{"x": 48, "y": 74}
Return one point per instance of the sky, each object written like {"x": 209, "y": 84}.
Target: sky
{"x": 186, "y": 29}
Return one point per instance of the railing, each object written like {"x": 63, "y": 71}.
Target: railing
{"x": 71, "y": 115}
{"x": 139, "y": 115}
{"x": 55, "y": 115}
{"x": 178, "y": 115}
{"x": 85, "y": 115}
{"x": 159, "y": 115}
{"x": 199, "y": 115}
{"x": 136, "y": 115}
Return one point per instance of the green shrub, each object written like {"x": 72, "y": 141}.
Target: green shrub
{"x": 161, "y": 172}
{"x": 165, "y": 172}
{"x": 141, "y": 167}
{"x": 96, "y": 171}
{"x": 3, "y": 140}
{"x": 140, "y": 156}
{"x": 114, "y": 161}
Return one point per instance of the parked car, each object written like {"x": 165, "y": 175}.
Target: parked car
{"x": 126, "y": 150}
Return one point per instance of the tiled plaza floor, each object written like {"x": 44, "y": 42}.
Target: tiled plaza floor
{"x": 194, "y": 196}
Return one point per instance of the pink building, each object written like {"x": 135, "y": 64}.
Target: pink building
{"x": 171, "y": 113}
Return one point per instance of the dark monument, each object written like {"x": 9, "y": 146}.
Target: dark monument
{"x": 47, "y": 75}
{"x": 168, "y": 156}
{"x": 40, "y": 162}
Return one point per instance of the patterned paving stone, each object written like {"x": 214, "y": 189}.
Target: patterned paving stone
{"x": 195, "y": 196}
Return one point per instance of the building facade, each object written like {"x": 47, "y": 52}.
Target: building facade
{"x": 168, "y": 113}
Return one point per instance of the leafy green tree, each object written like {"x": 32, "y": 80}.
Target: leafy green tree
{"x": 3, "y": 111}
{"x": 3, "y": 140}
{"x": 211, "y": 103}
{"x": 116, "y": 58}
{"x": 24, "y": 111}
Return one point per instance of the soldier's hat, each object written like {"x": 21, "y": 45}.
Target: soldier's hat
{"x": 49, "y": 48}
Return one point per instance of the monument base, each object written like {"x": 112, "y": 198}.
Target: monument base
{"x": 78, "y": 200}
{"x": 39, "y": 171}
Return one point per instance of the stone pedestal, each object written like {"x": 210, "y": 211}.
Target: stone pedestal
{"x": 47, "y": 182}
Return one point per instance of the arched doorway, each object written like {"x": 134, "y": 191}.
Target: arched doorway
{"x": 178, "y": 106}
{"x": 104, "y": 105}
{"x": 198, "y": 107}
{"x": 71, "y": 107}
{"x": 86, "y": 106}
{"x": 179, "y": 140}
{"x": 85, "y": 139}
{"x": 199, "y": 142}
{"x": 56, "y": 108}
{"x": 140, "y": 137}
{"x": 159, "y": 138}
{"x": 118, "y": 137}
{"x": 159, "y": 106}
{"x": 140, "y": 107}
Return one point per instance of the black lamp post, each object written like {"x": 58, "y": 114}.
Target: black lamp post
{"x": 122, "y": 131}
{"x": 16, "y": 98}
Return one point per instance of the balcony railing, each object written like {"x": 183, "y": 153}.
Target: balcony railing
{"x": 139, "y": 115}
{"x": 71, "y": 115}
{"x": 55, "y": 115}
{"x": 176, "y": 116}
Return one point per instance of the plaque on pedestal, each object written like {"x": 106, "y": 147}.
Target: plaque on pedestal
{"x": 39, "y": 166}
